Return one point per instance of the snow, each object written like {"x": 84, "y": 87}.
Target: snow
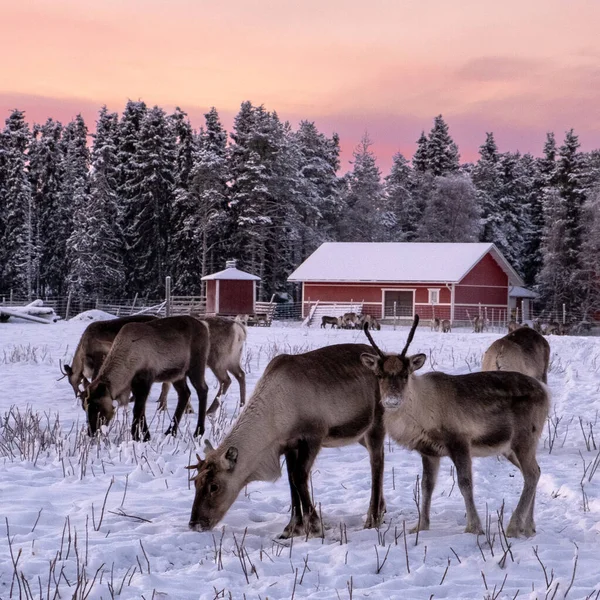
{"x": 231, "y": 274}
{"x": 93, "y": 315}
{"x": 120, "y": 509}
{"x": 397, "y": 261}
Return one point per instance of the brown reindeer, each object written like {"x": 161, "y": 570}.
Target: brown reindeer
{"x": 333, "y": 321}
{"x": 169, "y": 349}
{"x": 339, "y": 406}
{"x": 461, "y": 416}
{"x": 435, "y": 324}
{"x": 512, "y": 326}
{"x": 349, "y": 320}
{"x": 523, "y": 350}
{"x": 370, "y": 319}
{"x": 477, "y": 322}
{"x": 92, "y": 349}
{"x": 446, "y": 326}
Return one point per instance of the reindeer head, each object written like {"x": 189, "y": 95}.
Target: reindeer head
{"x": 393, "y": 370}
{"x": 215, "y": 487}
{"x": 98, "y": 404}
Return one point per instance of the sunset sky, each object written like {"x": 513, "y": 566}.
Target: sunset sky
{"x": 517, "y": 68}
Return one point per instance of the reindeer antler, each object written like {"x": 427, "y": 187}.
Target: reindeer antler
{"x": 64, "y": 373}
{"x": 411, "y": 335}
{"x": 200, "y": 461}
{"x": 366, "y": 330}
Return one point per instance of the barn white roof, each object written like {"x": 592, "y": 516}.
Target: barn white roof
{"x": 396, "y": 261}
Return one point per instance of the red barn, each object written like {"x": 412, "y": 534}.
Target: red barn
{"x": 443, "y": 279}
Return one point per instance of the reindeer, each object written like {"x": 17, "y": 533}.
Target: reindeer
{"x": 349, "y": 320}
{"x": 523, "y": 350}
{"x": 370, "y": 319}
{"x": 169, "y": 349}
{"x": 92, "y": 349}
{"x": 333, "y": 321}
{"x": 340, "y": 405}
{"x": 446, "y": 326}
{"x": 460, "y": 416}
{"x": 435, "y": 324}
{"x": 477, "y": 321}
{"x": 512, "y": 326}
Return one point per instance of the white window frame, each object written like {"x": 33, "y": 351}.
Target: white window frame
{"x": 431, "y": 290}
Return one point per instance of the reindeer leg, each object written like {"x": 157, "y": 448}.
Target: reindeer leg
{"x": 196, "y": 376}
{"x": 374, "y": 444}
{"x": 183, "y": 398}
{"x": 431, "y": 467}
{"x": 239, "y": 374}
{"x": 521, "y": 521}
{"x": 140, "y": 387}
{"x": 162, "y": 399}
{"x": 224, "y": 383}
{"x": 295, "y": 526}
{"x": 461, "y": 457}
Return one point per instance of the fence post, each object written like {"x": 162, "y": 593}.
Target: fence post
{"x": 564, "y": 313}
{"x": 68, "y": 307}
{"x": 168, "y": 296}
{"x": 394, "y": 315}
{"x": 133, "y": 303}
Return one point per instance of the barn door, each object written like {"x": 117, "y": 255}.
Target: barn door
{"x": 404, "y": 303}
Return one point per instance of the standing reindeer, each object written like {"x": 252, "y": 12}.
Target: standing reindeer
{"x": 227, "y": 339}
{"x": 461, "y": 416}
{"x": 435, "y": 324}
{"x": 169, "y": 349}
{"x": 333, "y": 321}
{"x": 446, "y": 326}
{"x": 339, "y": 406}
{"x": 92, "y": 349}
{"x": 523, "y": 350}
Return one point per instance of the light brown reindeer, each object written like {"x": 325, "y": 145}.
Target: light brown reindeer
{"x": 512, "y": 326}
{"x": 461, "y": 416}
{"x": 523, "y": 350}
{"x": 435, "y": 324}
{"x": 477, "y": 321}
{"x": 92, "y": 349}
{"x": 303, "y": 402}
{"x": 446, "y": 326}
{"x": 169, "y": 349}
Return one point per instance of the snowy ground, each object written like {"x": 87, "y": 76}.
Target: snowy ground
{"x": 111, "y": 517}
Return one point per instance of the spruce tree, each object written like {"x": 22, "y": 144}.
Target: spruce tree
{"x": 402, "y": 213}
{"x": 442, "y": 153}
{"x": 19, "y": 253}
{"x": 46, "y": 164}
{"x": 150, "y": 201}
{"x": 420, "y": 161}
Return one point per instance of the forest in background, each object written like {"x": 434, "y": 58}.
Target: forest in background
{"x": 150, "y": 196}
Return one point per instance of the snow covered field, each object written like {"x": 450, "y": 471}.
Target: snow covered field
{"x": 109, "y": 519}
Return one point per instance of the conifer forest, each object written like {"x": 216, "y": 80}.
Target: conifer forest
{"x": 109, "y": 214}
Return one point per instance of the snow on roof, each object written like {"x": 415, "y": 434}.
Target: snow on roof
{"x": 231, "y": 273}
{"x": 397, "y": 261}
{"x": 521, "y": 292}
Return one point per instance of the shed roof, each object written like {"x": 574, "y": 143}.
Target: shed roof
{"x": 521, "y": 292}
{"x": 232, "y": 274}
{"x": 397, "y": 262}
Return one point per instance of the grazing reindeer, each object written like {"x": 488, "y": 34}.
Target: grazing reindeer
{"x": 333, "y": 321}
{"x": 435, "y": 324}
{"x": 552, "y": 328}
{"x": 349, "y": 320}
{"x": 340, "y": 405}
{"x": 461, "y": 416}
{"x": 93, "y": 347}
{"x": 169, "y": 349}
{"x": 523, "y": 350}
{"x": 446, "y": 326}
{"x": 512, "y": 326}
{"x": 371, "y": 320}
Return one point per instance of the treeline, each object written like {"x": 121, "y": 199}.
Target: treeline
{"x": 151, "y": 197}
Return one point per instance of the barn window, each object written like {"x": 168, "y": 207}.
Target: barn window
{"x": 434, "y": 296}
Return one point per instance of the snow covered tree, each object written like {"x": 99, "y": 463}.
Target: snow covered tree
{"x": 401, "y": 214}
{"x": 199, "y": 212}
{"x": 442, "y": 153}
{"x": 53, "y": 218}
{"x": 590, "y": 256}
{"x": 363, "y": 201}
{"x": 97, "y": 245}
{"x": 420, "y": 161}
{"x": 150, "y": 196}
{"x": 74, "y": 199}
{"x": 452, "y": 214}
{"x": 18, "y": 253}
{"x": 317, "y": 204}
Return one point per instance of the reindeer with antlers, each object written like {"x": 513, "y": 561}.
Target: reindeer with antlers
{"x": 462, "y": 416}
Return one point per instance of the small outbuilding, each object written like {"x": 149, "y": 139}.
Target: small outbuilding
{"x": 230, "y": 292}
{"x": 521, "y": 303}
{"x": 446, "y": 280}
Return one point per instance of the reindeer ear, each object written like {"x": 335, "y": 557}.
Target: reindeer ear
{"x": 417, "y": 361}
{"x": 231, "y": 458}
{"x": 370, "y": 361}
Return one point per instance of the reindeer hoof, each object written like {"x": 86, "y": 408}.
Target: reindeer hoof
{"x": 293, "y": 529}
{"x": 476, "y": 529}
{"x": 199, "y": 432}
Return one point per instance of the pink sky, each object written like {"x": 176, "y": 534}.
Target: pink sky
{"x": 517, "y": 68}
